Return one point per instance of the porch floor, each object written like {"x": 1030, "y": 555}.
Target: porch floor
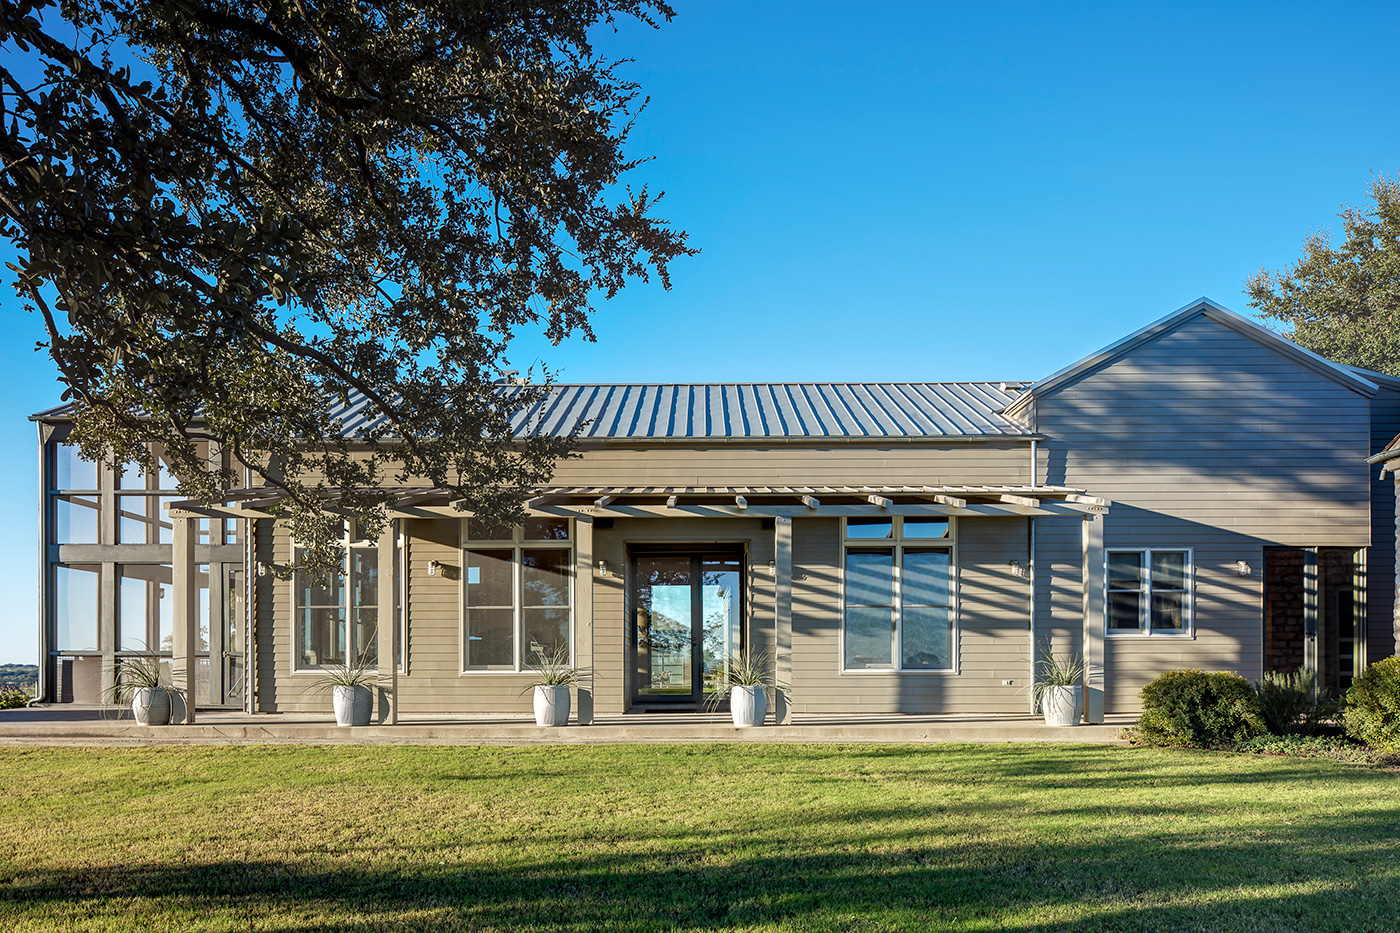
{"x": 72, "y": 725}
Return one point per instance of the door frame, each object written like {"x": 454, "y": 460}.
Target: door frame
{"x": 225, "y": 691}
{"x": 695, "y": 701}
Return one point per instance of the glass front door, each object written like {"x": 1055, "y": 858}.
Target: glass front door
{"x": 687, "y": 623}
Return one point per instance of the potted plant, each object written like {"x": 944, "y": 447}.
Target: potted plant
{"x": 138, "y": 682}
{"x": 554, "y": 675}
{"x": 1059, "y": 689}
{"x": 745, "y": 680}
{"x": 351, "y": 688}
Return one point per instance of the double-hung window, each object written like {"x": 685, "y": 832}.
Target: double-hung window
{"x": 337, "y": 612}
{"x": 518, "y": 594}
{"x": 899, "y": 612}
{"x": 1148, "y": 591}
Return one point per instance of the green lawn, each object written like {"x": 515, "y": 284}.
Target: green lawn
{"x": 694, "y": 838}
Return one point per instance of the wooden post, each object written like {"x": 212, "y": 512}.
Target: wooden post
{"x": 1093, "y": 570}
{"x": 388, "y": 634}
{"x": 1312, "y": 631}
{"x": 583, "y": 616}
{"x": 107, "y": 580}
{"x": 782, "y": 620}
{"x": 185, "y": 620}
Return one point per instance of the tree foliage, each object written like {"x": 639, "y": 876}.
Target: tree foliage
{"x": 1343, "y": 302}
{"x": 232, "y": 213}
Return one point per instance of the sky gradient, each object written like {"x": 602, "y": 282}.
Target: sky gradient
{"x": 930, "y": 191}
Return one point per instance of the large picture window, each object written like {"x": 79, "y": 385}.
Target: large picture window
{"x": 899, "y": 605}
{"x": 1148, "y": 591}
{"x": 518, "y": 594}
{"x": 337, "y": 613}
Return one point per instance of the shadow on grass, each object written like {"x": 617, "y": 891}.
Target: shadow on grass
{"x": 1308, "y": 876}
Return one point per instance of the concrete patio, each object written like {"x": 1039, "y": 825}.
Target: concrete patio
{"x": 73, "y": 725}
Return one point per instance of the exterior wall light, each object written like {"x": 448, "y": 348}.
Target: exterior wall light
{"x": 433, "y": 567}
{"x": 602, "y": 568}
{"x": 772, "y": 568}
{"x": 1016, "y": 569}
{"x": 1242, "y": 568}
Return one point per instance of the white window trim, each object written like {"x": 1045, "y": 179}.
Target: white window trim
{"x": 1145, "y": 612}
{"x": 517, "y": 543}
{"x": 347, "y": 543}
{"x": 898, "y": 542}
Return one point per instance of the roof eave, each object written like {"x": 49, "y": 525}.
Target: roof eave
{"x": 1216, "y": 312}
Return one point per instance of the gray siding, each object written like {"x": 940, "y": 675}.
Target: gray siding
{"x": 1380, "y": 559}
{"x": 1205, "y": 439}
{"x": 992, "y": 462}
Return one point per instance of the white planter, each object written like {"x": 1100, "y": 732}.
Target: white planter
{"x": 748, "y": 706}
{"x": 353, "y": 705}
{"x": 1063, "y": 706}
{"x": 151, "y": 706}
{"x": 551, "y": 705}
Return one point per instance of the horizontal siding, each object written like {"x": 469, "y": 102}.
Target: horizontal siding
{"x": 1380, "y": 559}
{"x": 1205, "y": 439}
{"x": 981, "y": 463}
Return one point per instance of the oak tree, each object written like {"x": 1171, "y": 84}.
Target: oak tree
{"x": 1343, "y": 302}
{"x": 231, "y": 215}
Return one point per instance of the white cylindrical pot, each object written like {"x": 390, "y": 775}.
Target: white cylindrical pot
{"x": 1063, "y": 706}
{"x": 353, "y": 705}
{"x": 748, "y": 706}
{"x": 551, "y": 705}
{"x": 151, "y": 706}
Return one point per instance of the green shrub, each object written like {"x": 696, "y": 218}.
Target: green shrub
{"x": 13, "y": 698}
{"x": 1199, "y": 710}
{"x": 1373, "y": 706}
{"x": 1288, "y": 705}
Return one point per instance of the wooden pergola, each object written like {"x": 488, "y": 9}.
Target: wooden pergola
{"x": 586, "y": 504}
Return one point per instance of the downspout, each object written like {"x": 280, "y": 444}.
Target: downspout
{"x": 250, "y": 595}
{"x": 42, "y": 684}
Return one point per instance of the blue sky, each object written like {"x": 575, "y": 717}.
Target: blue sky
{"x": 932, "y": 191}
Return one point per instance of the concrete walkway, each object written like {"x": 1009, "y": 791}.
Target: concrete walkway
{"x": 69, "y": 725}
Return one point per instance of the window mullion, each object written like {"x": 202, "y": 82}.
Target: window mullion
{"x": 897, "y": 630}
{"x": 1145, "y": 610}
{"x": 517, "y": 599}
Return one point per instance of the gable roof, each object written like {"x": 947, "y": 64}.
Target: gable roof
{"x": 1201, "y": 307}
{"x": 743, "y": 412}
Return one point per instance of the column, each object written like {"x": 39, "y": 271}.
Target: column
{"x": 184, "y": 621}
{"x": 107, "y": 580}
{"x": 388, "y": 634}
{"x": 583, "y": 616}
{"x": 1093, "y": 570}
{"x": 782, "y": 620}
{"x": 1312, "y": 631}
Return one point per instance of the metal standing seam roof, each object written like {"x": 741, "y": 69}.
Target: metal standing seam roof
{"x": 777, "y": 411}
{"x": 791, "y": 411}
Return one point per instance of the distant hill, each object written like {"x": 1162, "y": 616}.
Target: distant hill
{"x": 18, "y": 673}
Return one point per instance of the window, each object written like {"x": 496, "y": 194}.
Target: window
{"x": 337, "y": 613}
{"x": 75, "y": 606}
{"x": 517, "y": 593}
{"x": 898, "y": 613}
{"x": 1149, "y": 591}
{"x": 145, "y": 608}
